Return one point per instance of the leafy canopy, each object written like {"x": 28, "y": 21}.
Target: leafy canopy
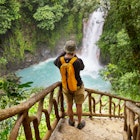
{"x": 9, "y": 12}
{"x": 47, "y": 16}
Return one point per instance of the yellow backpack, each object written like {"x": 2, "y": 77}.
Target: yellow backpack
{"x": 69, "y": 81}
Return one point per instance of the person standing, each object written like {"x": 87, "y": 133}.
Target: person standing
{"x": 77, "y": 95}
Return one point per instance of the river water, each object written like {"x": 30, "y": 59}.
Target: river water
{"x": 46, "y": 73}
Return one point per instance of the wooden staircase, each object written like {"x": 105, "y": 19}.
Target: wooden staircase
{"x": 104, "y": 110}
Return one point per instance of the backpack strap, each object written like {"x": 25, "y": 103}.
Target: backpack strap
{"x": 73, "y": 60}
{"x": 62, "y": 60}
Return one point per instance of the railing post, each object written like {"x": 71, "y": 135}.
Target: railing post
{"x": 61, "y": 102}
{"x": 14, "y": 133}
{"x": 125, "y": 118}
{"x": 110, "y": 106}
{"x": 47, "y": 116}
{"x": 100, "y": 110}
{"x": 90, "y": 109}
{"x": 56, "y": 109}
{"x": 27, "y": 128}
{"x": 129, "y": 133}
{"x": 37, "y": 135}
{"x": 138, "y": 132}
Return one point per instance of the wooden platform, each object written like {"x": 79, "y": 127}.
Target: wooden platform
{"x": 95, "y": 129}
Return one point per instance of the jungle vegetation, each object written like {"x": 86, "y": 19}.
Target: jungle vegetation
{"x": 120, "y": 47}
{"x": 26, "y": 23}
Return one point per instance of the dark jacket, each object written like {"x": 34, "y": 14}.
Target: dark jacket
{"x": 78, "y": 66}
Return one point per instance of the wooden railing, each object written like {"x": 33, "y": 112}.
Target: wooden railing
{"x": 52, "y": 96}
{"x": 50, "y": 102}
{"x": 105, "y": 104}
{"x": 132, "y": 122}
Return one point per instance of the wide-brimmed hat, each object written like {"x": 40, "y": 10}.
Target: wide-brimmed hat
{"x": 70, "y": 46}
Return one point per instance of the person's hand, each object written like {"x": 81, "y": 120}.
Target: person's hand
{"x": 62, "y": 54}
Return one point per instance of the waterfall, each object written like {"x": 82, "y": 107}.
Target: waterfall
{"x": 91, "y": 33}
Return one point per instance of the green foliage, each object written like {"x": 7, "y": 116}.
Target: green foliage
{"x": 128, "y": 85}
{"x": 79, "y": 27}
{"x": 9, "y": 12}
{"x": 24, "y": 41}
{"x": 17, "y": 43}
{"x": 10, "y": 47}
{"x": 119, "y": 45}
{"x": 2, "y": 1}
{"x": 121, "y": 53}
{"x": 47, "y": 16}
{"x": 3, "y": 63}
{"x": 5, "y": 127}
{"x": 70, "y": 24}
{"x": 11, "y": 91}
{"x": 111, "y": 72}
{"x": 84, "y": 7}
{"x": 14, "y": 47}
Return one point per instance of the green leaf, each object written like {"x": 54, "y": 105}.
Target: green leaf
{"x": 28, "y": 84}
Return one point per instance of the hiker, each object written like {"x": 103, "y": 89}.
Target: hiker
{"x": 76, "y": 94}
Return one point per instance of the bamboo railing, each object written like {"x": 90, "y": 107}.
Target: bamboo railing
{"x": 51, "y": 102}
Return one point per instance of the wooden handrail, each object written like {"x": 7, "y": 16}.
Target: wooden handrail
{"x": 133, "y": 108}
{"x": 97, "y": 103}
{"x": 9, "y": 112}
{"x": 105, "y": 102}
{"x": 132, "y": 122}
{"x": 110, "y": 95}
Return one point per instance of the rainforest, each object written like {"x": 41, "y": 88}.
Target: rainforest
{"x": 34, "y": 30}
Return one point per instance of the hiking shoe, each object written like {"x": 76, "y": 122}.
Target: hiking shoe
{"x": 71, "y": 123}
{"x": 81, "y": 124}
